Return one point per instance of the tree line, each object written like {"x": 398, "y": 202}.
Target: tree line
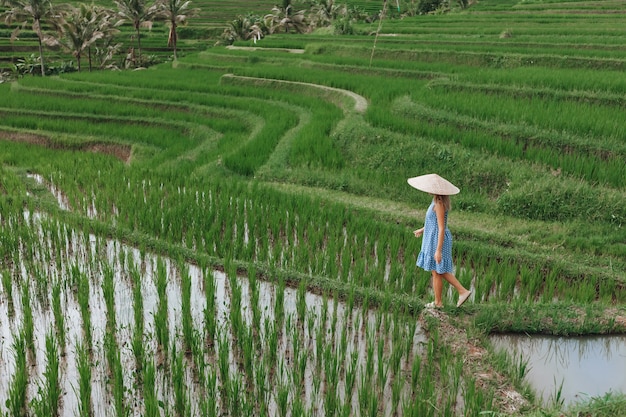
{"x": 286, "y": 18}
{"x": 313, "y": 14}
{"x": 90, "y": 29}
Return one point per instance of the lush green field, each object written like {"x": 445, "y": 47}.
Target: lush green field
{"x": 284, "y": 162}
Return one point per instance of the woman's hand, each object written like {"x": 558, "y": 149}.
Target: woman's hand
{"x": 438, "y": 256}
{"x": 418, "y": 232}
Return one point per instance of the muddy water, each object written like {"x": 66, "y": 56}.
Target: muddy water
{"x": 326, "y": 321}
{"x": 578, "y": 367}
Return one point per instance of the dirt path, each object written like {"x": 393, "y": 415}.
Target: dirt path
{"x": 256, "y": 48}
{"x": 476, "y": 363}
{"x": 360, "y": 102}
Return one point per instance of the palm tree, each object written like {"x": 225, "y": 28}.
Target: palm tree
{"x": 108, "y": 27}
{"x": 286, "y": 18}
{"x": 245, "y": 28}
{"x": 139, "y": 14}
{"x": 175, "y": 13}
{"x": 81, "y": 27}
{"x": 24, "y": 11}
{"x": 323, "y": 12}
{"x": 105, "y": 52}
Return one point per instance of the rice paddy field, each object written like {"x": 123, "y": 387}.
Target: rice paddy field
{"x": 230, "y": 233}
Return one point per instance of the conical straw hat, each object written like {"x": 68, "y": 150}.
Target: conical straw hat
{"x": 433, "y": 184}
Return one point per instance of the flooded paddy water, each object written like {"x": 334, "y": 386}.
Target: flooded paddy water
{"x": 117, "y": 331}
{"x": 569, "y": 369}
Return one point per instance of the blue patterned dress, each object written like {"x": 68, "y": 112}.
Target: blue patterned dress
{"x": 426, "y": 257}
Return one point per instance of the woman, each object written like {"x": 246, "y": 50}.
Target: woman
{"x": 436, "y": 252}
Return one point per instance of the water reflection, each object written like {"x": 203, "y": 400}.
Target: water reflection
{"x": 580, "y": 367}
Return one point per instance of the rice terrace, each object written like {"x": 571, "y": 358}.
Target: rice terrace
{"x": 216, "y": 220}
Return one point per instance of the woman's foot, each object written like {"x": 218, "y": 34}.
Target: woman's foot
{"x": 463, "y": 298}
{"x": 433, "y": 305}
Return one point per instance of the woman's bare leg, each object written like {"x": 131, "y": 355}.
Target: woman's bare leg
{"x": 448, "y": 276}
{"x": 437, "y": 288}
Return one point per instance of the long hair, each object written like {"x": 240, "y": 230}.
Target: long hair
{"x": 445, "y": 200}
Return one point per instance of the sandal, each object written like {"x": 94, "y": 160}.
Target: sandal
{"x": 463, "y": 298}
{"x": 432, "y": 305}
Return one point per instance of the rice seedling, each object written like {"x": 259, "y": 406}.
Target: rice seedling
{"x": 84, "y": 380}
{"x": 299, "y": 373}
{"x": 52, "y": 389}
{"x": 210, "y": 312}
{"x": 108, "y": 291}
{"x": 333, "y": 322}
{"x": 253, "y": 288}
{"x": 271, "y": 340}
{"x": 301, "y": 301}
{"x": 261, "y": 392}
{"x": 237, "y": 400}
{"x": 331, "y": 400}
{"x": 279, "y": 304}
{"x": 59, "y": 319}
{"x": 160, "y": 317}
{"x": 351, "y": 375}
{"x": 416, "y": 371}
{"x": 16, "y": 402}
{"x": 383, "y": 366}
{"x": 137, "y": 343}
{"x": 152, "y": 406}
{"x": 224, "y": 371}
{"x": 115, "y": 369}
{"x": 109, "y": 343}
{"x": 182, "y": 401}
{"x": 7, "y": 289}
{"x": 49, "y": 389}
{"x": 397, "y": 387}
{"x": 297, "y": 408}
{"x": 368, "y": 404}
{"x": 209, "y": 405}
{"x": 28, "y": 325}
{"x": 40, "y": 283}
{"x": 236, "y": 319}
{"x": 198, "y": 354}
{"x": 82, "y": 292}
{"x": 187, "y": 320}
{"x": 342, "y": 346}
{"x": 282, "y": 400}
{"x": 368, "y": 368}
{"x": 396, "y": 357}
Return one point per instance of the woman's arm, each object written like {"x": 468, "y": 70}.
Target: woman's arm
{"x": 418, "y": 232}
{"x": 440, "y": 210}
